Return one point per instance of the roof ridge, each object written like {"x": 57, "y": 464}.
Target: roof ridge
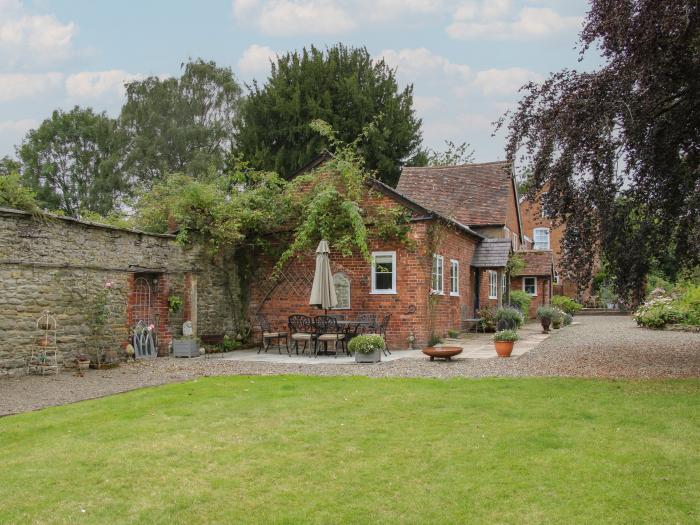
{"x": 473, "y": 164}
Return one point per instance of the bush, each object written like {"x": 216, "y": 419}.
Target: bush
{"x": 229, "y": 344}
{"x": 689, "y": 304}
{"x": 546, "y": 312}
{"x": 558, "y": 318}
{"x": 434, "y": 339}
{"x": 659, "y": 311}
{"x": 506, "y": 335}
{"x": 453, "y": 334}
{"x": 509, "y": 318}
{"x": 488, "y": 316}
{"x": 567, "y": 304}
{"x": 568, "y": 319}
{"x": 366, "y": 344}
{"x": 521, "y": 300}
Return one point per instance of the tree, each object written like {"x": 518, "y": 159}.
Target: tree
{"x": 71, "y": 162}
{"x": 14, "y": 195}
{"x": 618, "y": 147}
{"x": 183, "y": 125}
{"x": 342, "y": 86}
{"x": 453, "y": 155}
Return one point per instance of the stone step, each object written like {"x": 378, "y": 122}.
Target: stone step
{"x": 601, "y": 311}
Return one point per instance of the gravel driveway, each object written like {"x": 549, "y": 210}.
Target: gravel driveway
{"x": 598, "y": 347}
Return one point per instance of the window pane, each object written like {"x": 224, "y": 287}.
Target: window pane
{"x": 382, "y": 281}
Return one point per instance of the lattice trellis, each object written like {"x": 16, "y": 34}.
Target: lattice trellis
{"x": 297, "y": 281}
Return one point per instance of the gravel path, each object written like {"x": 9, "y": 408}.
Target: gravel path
{"x": 599, "y": 347}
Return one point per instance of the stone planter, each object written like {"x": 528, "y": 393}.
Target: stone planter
{"x": 185, "y": 348}
{"x": 504, "y": 348}
{"x": 373, "y": 357}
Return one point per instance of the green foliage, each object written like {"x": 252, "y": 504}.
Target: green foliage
{"x": 521, "y": 300}
{"x": 558, "y": 318}
{"x": 175, "y": 303}
{"x": 71, "y": 162}
{"x": 230, "y": 344}
{"x": 682, "y": 306}
{"x": 515, "y": 265}
{"x": 344, "y": 87}
{"x": 546, "y": 312}
{"x": 14, "y": 195}
{"x": 566, "y": 304}
{"x": 568, "y": 319}
{"x": 453, "y": 155}
{"x": 115, "y": 219}
{"x": 506, "y": 335}
{"x": 434, "y": 339}
{"x": 510, "y": 317}
{"x": 183, "y": 125}
{"x": 487, "y": 314}
{"x": 453, "y": 334}
{"x": 366, "y": 344}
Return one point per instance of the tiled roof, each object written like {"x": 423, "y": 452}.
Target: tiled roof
{"x": 537, "y": 262}
{"x": 491, "y": 253}
{"x": 472, "y": 194}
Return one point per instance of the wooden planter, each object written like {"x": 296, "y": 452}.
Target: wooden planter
{"x": 504, "y": 348}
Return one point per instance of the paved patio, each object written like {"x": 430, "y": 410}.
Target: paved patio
{"x": 474, "y": 346}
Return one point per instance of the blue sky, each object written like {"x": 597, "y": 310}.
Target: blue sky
{"x": 466, "y": 58}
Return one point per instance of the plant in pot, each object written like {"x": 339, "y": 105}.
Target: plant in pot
{"x": 82, "y": 361}
{"x": 367, "y": 348}
{"x": 509, "y": 318}
{"x": 546, "y": 315}
{"x": 558, "y": 318}
{"x": 504, "y": 341}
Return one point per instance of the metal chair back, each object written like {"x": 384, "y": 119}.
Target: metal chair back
{"x": 384, "y": 325}
{"x": 301, "y": 324}
{"x": 265, "y": 325}
{"x": 325, "y": 324}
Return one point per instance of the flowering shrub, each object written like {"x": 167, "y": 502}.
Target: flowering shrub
{"x": 658, "y": 311}
{"x": 488, "y": 316}
{"x": 366, "y": 344}
{"x": 506, "y": 335}
{"x": 567, "y": 304}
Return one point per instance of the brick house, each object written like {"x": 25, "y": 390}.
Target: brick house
{"x": 433, "y": 286}
{"x": 535, "y": 278}
{"x": 542, "y": 232}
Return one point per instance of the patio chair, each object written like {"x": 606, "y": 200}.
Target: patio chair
{"x": 268, "y": 334}
{"x": 371, "y": 319}
{"x": 327, "y": 330}
{"x": 302, "y": 328}
{"x": 381, "y": 330}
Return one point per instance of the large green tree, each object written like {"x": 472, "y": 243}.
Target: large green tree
{"x": 71, "y": 162}
{"x": 617, "y": 148}
{"x": 342, "y": 86}
{"x": 183, "y": 124}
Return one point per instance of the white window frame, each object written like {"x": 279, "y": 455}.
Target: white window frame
{"x": 349, "y": 306}
{"x": 439, "y": 271}
{"x": 538, "y": 245}
{"x": 556, "y": 277}
{"x": 504, "y": 284}
{"x": 454, "y": 278}
{"x": 525, "y": 290}
{"x": 493, "y": 284}
{"x": 393, "y": 274}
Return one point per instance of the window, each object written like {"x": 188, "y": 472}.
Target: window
{"x": 556, "y": 277}
{"x": 383, "y": 272}
{"x": 493, "y": 284}
{"x": 515, "y": 241}
{"x": 530, "y": 285}
{"x": 541, "y": 238}
{"x": 436, "y": 285}
{"x": 454, "y": 277}
{"x": 342, "y": 291}
{"x": 504, "y": 284}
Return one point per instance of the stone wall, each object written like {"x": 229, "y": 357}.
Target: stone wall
{"x": 61, "y": 264}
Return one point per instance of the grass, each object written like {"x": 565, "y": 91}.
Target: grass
{"x": 358, "y": 450}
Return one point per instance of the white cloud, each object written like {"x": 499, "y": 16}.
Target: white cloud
{"x": 426, "y": 104}
{"x": 423, "y": 62}
{"x": 255, "y": 60}
{"x": 20, "y": 85}
{"x": 504, "y": 81}
{"x": 17, "y": 127}
{"x": 497, "y": 19}
{"x": 28, "y": 37}
{"x": 94, "y": 84}
{"x": 303, "y": 17}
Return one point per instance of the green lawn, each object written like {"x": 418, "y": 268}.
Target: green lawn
{"x": 358, "y": 450}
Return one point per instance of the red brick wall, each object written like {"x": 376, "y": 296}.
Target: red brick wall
{"x": 409, "y": 309}
{"x": 543, "y": 296}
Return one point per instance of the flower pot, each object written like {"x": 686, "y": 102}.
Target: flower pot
{"x": 83, "y": 365}
{"x": 504, "y": 348}
{"x": 545, "y": 325}
{"x": 372, "y": 357}
{"x": 556, "y": 324}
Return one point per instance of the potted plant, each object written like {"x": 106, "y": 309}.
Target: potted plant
{"x": 508, "y": 318}
{"x": 367, "y": 348}
{"x": 82, "y": 361}
{"x": 558, "y": 318}
{"x": 545, "y": 314}
{"x": 504, "y": 341}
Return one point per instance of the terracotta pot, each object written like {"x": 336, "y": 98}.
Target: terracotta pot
{"x": 444, "y": 352}
{"x": 504, "y": 348}
{"x": 545, "y": 324}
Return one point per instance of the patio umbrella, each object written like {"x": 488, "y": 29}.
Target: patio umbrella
{"x": 323, "y": 291}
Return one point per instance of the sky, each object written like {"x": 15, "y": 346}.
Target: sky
{"x": 466, "y": 58}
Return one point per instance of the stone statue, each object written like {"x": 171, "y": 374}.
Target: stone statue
{"x": 187, "y": 329}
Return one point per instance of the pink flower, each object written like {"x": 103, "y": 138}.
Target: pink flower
{"x": 151, "y": 327}
{"x": 109, "y": 284}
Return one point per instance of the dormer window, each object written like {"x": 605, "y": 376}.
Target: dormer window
{"x": 541, "y": 238}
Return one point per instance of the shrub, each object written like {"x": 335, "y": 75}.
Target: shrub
{"x": 229, "y": 344}
{"x": 567, "y": 304}
{"x": 521, "y": 300}
{"x": 366, "y": 344}
{"x": 488, "y": 316}
{"x": 509, "y": 318}
{"x": 689, "y": 304}
{"x": 506, "y": 335}
{"x": 546, "y": 312}
{"x": 434, "y": 339}
{"x": 659, "y": 311}
{"x": 568, "y": 319}
{"x": 558, "y": 318}
{"x": 453, "y": 333}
